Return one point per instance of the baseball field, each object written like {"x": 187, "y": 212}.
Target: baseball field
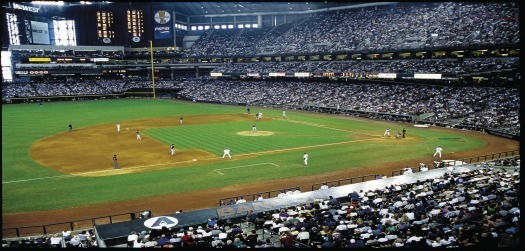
{"x": 52, "y": 175}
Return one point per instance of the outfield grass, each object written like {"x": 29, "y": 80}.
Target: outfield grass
{"x": 27, "y": 186}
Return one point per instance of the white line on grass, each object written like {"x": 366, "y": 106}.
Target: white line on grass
{"x": 305, "y": 147}
{"x": 327, "y": 127}
{"x": 59, "y": 176}
{"x": 267, "y": 163}
{"x": 84, "y": 173}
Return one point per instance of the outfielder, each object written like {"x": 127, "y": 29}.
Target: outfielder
{"x": 172, "y": 147}
{"x": 226, "y": 153}
{"x": 138, "y": 135}
{"x": 305, "y": 158}
{"x": 438, "y": 151}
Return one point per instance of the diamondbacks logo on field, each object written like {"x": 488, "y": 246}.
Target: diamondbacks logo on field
{"x": 162, "y": 17}
{"x": 161, "y": 221}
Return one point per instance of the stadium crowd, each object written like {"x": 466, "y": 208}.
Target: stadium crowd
{"x": 477, "y": 106}
{"x": 399, "y": 26}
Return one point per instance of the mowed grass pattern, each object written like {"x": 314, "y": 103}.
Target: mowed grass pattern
{"x": 28, "y": 186}
{"x": 217, "y": 136}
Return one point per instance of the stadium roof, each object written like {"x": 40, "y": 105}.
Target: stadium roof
{"x": 200, "y": 8}
{"x": 206, "y": 8}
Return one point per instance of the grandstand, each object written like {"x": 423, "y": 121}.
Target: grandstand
{"x": 453, "y": 67}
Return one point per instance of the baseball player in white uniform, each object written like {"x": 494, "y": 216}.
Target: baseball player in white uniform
{"x": 172, "y": 148}
{"x": 305, "y": 158}
{"x": 226, "y": 153}
{"x": 438, "y": 151}
{"x": 138, "y": 135}
{"x": 118, "y": 126}
{"x": 284, "y": 114}
{"x": 254, "y": 127}
{"x": 387, "y": 132}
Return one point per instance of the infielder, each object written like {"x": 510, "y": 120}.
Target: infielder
{"x": 118, "y": 126}
{"x": 115, "y": 164}
{"x": 387, "y": 132}
{"x": 180, "y": 120}
{"x": 254, "y": 127}
{"x": 305, "y": 158}
{"x": 226, "y": 153}
{"x": 438, "y": 151}
{"x": 172, "y": 147}
{"x": 138, "y": 135}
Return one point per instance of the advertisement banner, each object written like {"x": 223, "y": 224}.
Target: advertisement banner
{"x": 162, "y": 32}
{"x": 40, "y": 32}
{"x": 386, "y": 75}
{"x": 277, "y": 74}
{"x": 39, "y": 59}
{"x": 253, "y": 74}
{"x": 427, "y": 76}
{"x": 216, "y": 74}
{"x": 100, "y": 59}
{"x": 302, "y": 74}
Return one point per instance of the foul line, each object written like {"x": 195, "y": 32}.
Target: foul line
{"x": 217, "y": 170}
{"x": 100, "y": 171}
{"x": 326, "y": 127}
{"x": 59, "y": 176}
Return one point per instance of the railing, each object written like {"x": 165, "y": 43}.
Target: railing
{"x": 86, "y": 223}
{"x": 470, "y": 160}
{"x": 253, "y": 197}
{"x": 347, "y": 181}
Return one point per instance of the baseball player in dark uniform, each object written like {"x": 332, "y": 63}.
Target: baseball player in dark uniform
{"x": 115, "y": 163}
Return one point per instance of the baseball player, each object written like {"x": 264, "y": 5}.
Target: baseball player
{"x": 70, "y": 127}
{"x": 254, "y": 127}
{"x": 180, "y": 120}
{"x": 438, "y": 151}
{"x": 226, "y": 153}
{"x": 138, "y": 135}
{"x": 115, "y": 164}
{"x": 118, "y": 126}
{"x": 387, "y": 132}
{"x": 172, "y": 147}
{"x": 305, "y": 158}
{"x": 284, "y": 114}
{"x": 404, "y": 132}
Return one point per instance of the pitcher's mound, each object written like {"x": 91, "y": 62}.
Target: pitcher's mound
{"x": 258, "y": 133}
